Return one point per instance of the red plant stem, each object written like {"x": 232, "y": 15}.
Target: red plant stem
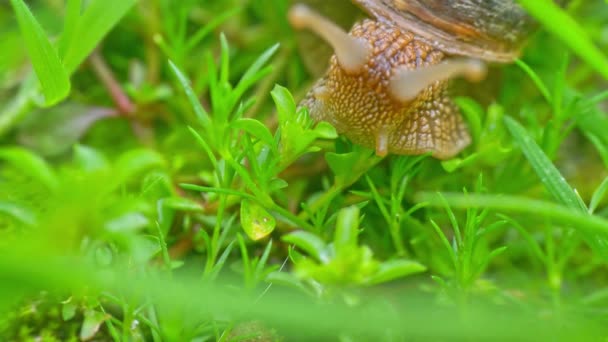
{"x": 105, "y": 74}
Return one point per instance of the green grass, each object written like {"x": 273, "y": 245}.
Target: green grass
{"x": 159, "y": 183}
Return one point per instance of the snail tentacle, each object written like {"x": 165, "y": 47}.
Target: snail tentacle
{"x": 382, "y": 141}
{"x": 352, "y": 53}
{"x": 406, "y": 84}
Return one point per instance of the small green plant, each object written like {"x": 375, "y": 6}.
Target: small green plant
{"x": 468, "y": 251}
{"x": 343, "y": 263}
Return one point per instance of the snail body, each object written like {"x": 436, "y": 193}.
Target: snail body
{"x": 386, "y": 86}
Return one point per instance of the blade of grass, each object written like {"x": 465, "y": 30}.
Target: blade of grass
{"x": 199, "y": 111}
{"x": 601, "y": 148}
{"x": 594, "y": 122}
{"x": 72, "y": 14}
{"x": 558, "y": 22}
{"x": 221, "y": 261}
{"x": 98, "y": 19}
{"x": 598, "y": 195}
{"x": 218, "y": 190}
{"x": 210, "y": 26}
{"x": 533, "y": 244}
{"x": 598, "y": 98}
{"x": 553, "y": 180}
{"x": 536, "y": 79}
{"x": 544, "y": 168}
{"x": 255, "y": 72}
{"x": 259, "y": 267}
{"x": 52, "y": 75}
{"x": 446, "y": 243}
{"x": 579, "y": 220}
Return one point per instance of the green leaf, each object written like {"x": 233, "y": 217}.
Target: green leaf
{"x": 31, "y": 165}
{"x": 277, "y": 184}
{"x": 18, "y": 213}
{"x": 256, "y": 221}
{"x": 60, "y": 127}
{"x": 217, "y": 190}
{"x": 51, "y": 73}
{"x": 348, "y": 167}
{"x": 390, "y": 270}
{"x": 342, "y": 164}
{"x": 254, "y": 72}
{"x": 473, "y": 112}
{"x": 255, "y": 129}
{"x": 454, "y": 164}
{"x": 286, "y": 106}
{"x": 325, "y": 130}
{"x": 546, "y": 171}
{"x": 99, "y": 17}
{"x": 182, "y": 204}
{"x": 127, "y": 223}
{"x": 296, "y": 135}
{"x": 134, "y": 162}
{"x": 558, "y": 22}
{"x": 89, "y": 159}
{"x": 287, "y": 280}
{"x": 200, "y": 113}
{"x": 496, "y": 252}
{"x": 310, "y": 243}
{"x": 68, "y": 310}
{"x": 347, "y": 225}
{"x": 91, "y": 324}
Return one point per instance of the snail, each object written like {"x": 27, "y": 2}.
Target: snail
{"x": 386, "y": 86}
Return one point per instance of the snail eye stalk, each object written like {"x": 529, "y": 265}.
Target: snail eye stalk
{"x": 382, "y": 142}
{"x": 406, "y": 84}
{"x": 352, "y": 53}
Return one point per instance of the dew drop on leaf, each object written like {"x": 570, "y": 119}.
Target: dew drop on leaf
{"x": 256, "y": 221}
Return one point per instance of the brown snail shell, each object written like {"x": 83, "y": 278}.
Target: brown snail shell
{"x": 493, "y": 30}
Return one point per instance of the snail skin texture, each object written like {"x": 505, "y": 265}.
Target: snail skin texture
{"x": 386, "y": 86}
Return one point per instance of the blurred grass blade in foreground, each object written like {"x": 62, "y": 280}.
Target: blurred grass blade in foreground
{"x": 51, "y": 73}
{"x": 84, "y": 35}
